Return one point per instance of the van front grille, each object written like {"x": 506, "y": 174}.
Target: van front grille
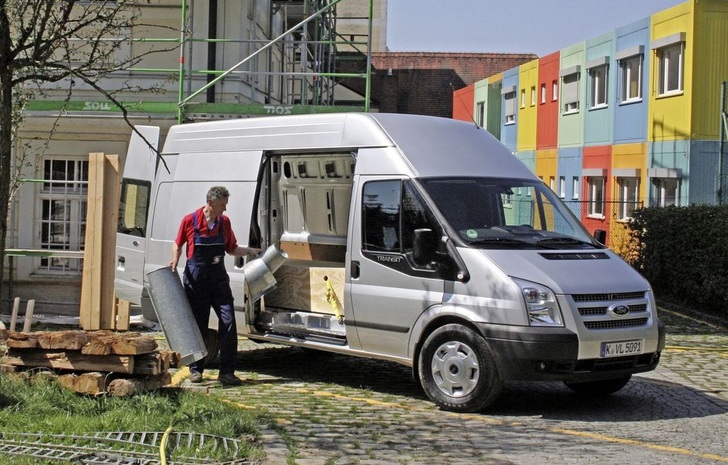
{"x": 613, "y": 310}
{"x": 614, "y": 324}
{"x": 608, "y": 297}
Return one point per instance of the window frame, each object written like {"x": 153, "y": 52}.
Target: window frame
{"x": 599, "y": 87}
{"x": 575, "y": 187}
{"x": 509, "y": 100}
{"x": 665, "y": 69}
{"x": 569, "y": 104}
{"x": 595, "y": 196}
{"x": 628, "y": 188}
{"x": 66, "y": 188}
{"x": 626, "y": 78}
{"x": 660, "y": 188}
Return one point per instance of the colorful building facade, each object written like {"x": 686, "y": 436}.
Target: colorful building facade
{"x": 627, "y": 119}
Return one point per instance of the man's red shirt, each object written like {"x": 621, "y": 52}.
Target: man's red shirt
{"x": 186, "y": 233}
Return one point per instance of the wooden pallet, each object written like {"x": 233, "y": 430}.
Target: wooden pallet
{"x": 92, "y": 362}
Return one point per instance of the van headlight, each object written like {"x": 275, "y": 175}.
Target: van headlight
{"x": 541, "y": 305}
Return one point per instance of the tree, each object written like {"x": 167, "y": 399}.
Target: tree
{"x": 51, "y": 47}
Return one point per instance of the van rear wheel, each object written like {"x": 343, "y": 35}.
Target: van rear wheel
{"x": 210, "y": 337}
{"x": 457, "y": 370}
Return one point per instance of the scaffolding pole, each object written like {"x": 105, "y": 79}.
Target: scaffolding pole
{"x": 723, "y": 187}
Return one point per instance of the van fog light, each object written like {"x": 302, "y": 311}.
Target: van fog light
{"x": 541, "y": 305}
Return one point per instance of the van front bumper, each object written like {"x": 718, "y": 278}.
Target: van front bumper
{"x": 550, "y": 354}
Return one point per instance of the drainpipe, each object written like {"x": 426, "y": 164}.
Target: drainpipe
{"x": 211, "y": 49}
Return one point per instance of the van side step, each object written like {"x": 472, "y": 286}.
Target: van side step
{"x": 306, "y": 325}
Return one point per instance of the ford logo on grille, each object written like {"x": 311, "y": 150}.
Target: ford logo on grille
{"x": 619, "y": 310}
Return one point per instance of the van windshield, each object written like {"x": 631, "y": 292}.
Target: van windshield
{"x": 507, "y": 213}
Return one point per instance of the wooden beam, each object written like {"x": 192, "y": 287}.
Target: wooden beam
{"x": 71, "y": 360}
{"x": 98, "y": 307}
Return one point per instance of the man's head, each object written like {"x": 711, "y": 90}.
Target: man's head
{"x": 217, "y": 199}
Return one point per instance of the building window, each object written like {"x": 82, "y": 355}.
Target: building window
{"x": 595, "y": 197}
{"x": 533, "y": 96}
{"x": 598, "y": 81}
{"x": 523, "y": 98}
{"x": 480, "y": 114}
{"x": 554, "y": 90}
{"x": 510, "y": 107}
{"x": 63, "y": 202}
{"x": 666, "y": 191}
{"x": 631, "y": 82}
{"x": 628, "y": 195}
{"x": 670, "y": 69}
{"x": 575, "y": 187}
{"x": 552, "y": 183}
{"x": 543, "y": 93}
{"x": 562, "y": 186}
{"x": 570, "y": 93}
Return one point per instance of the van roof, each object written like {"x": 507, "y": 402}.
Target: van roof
{"x": 432, "y": 146}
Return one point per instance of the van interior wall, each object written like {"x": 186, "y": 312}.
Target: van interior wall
{"x": 313, "y": 195}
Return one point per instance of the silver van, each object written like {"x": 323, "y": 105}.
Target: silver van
{"x": 414, "y": 239}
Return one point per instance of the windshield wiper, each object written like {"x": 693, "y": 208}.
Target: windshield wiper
{"x": 505, "y": 241}
{"x": 556, "y": 242}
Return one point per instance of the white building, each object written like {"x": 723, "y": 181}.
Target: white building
{"x": 230, "y": 42}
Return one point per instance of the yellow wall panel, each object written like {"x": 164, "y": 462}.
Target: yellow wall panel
{"x": 527, "y": 105}
{"x": 547, "y": 166}
{"x": 669, "y": 116}
{"x": 710, "y": 49}
{"x": 632, "y": 156}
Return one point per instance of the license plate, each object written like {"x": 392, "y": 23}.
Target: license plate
{"x": 622, "y": 348}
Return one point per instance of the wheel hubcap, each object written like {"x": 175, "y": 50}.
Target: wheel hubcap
{"x": 455, "y": 369}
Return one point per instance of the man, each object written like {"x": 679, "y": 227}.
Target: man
{"x": 208, "y": 235}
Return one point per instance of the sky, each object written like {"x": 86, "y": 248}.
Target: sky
{"x": 499, "y": 25}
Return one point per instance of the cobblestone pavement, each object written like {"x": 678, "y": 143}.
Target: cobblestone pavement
{"x": 333, "y": 409}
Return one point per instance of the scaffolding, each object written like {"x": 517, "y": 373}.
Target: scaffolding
{"x": 316, "y": 64}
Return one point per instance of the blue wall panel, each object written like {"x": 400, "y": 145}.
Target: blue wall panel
{"x": 569, "y": 167}
{"x": 509, "y": 132}
{"x": 598, "y": 121}
{"x": 630, "y": 119}
{"x": 704, "y": 172}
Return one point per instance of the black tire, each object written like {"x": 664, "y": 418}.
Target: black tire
{"x": 599, "y": 388}
{"x": 213, "y": 348}
{"x": 457, "y": 370}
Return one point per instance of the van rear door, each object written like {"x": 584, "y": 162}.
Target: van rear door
{"x": 136, "y": 186}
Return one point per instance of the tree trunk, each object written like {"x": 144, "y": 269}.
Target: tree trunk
{"x": 6, "y": 129}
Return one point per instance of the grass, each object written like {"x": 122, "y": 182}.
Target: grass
{"x": 38, "y": 404}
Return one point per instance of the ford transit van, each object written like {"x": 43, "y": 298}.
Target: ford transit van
{"x": 414, "y": 239}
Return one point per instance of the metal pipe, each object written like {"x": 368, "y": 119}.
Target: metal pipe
{"x": 721, "y": 144}
{"x": 367, "y": 92}
{"x": 211, "y": 48}
{"x": 180, "y": 90}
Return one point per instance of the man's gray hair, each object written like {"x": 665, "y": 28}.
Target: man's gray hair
{"x": 217, "y": 193}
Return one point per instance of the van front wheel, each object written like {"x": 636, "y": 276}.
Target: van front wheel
{"x": 457, "y": 370}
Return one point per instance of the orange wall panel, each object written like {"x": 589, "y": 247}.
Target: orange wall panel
{"x": 547, "y": 127}
{"x": 462, "y": 104}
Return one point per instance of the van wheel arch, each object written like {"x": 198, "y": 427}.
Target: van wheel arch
{"x": 457, "y": 369}
{"x": 429, "y": 329}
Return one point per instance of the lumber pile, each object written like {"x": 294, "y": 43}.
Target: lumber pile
{"x": 92, "y": 362}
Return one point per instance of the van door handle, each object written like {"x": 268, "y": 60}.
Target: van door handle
{"x": 355, "y": 269}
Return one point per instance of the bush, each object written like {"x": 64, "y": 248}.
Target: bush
{"x": 683, "y": 253}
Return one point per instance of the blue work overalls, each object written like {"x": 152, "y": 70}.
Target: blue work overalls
{"x": 207, "y": 284}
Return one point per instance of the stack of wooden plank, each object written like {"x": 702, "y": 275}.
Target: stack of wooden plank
{"x": 92, "y": 362}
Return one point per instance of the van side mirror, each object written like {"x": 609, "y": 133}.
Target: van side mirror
{"x": 423, "y": 246}
{"x": 601, "y": 236}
